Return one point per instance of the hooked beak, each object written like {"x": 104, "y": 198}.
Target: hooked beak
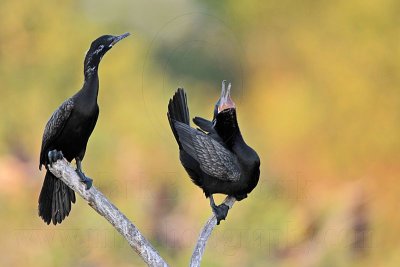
{"x": 225, "y": 101}
{"x": 119, "y": 38}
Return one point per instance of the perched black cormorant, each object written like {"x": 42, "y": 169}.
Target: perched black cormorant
{"x": 215, "y": 156}
{"x": 67, "y": 132}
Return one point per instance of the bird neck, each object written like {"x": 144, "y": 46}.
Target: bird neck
{"x": 230, "y": 134}
{"x": 90, "y": 89}
{"x": 91, "y": 66}
{"x": 227, "y": 127}
{"x": 91, "y": 84}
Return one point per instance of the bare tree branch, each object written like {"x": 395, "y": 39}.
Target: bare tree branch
{"x": 105, "y": 208}
{"x": 205, "y": 234}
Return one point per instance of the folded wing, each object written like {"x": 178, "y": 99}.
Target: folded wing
{"x": 214, "y": 159}
{"x": 54, "y": 127}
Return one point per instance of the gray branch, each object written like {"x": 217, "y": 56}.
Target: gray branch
{"x": 105, "y": 208}
{"x": 205, "y": 234}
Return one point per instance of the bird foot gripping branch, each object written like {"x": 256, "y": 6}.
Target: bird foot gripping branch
{"x": 54, "y": 155}
{"x": 84, "y": 179}
{"x": 220, "y": 211}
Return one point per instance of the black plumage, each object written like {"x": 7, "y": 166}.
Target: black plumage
{"x": 215, "y": 156}
{"x": 67, "y": 132}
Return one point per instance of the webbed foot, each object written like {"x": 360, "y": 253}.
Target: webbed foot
{"x": 220, "y": 211}
{"x": 54, "y": 155}
{"x": 84, "y": 179}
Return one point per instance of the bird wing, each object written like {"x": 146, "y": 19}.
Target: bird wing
{"x": 204, "y": 124}
{"x": 214, "y": 159}
{"x": 207, "y": 127}
{"x": 54, "y": 126}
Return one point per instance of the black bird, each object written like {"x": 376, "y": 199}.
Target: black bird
{"x": 67, "y": 132}
{"x": 215, "y": 156}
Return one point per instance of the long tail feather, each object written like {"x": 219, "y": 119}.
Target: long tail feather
{"x": 178, "y": 111}
{"x": 55, "y": 200}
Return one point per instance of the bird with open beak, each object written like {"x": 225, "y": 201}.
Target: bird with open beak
{"x": 215, "y": 156}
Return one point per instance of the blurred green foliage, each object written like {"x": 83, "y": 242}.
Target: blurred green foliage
{"x": 316, "y": 84}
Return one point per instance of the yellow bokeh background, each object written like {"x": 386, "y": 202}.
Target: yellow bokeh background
{"x": 316, "y": 85}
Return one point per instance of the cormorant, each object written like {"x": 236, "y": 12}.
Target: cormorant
{"x": 215, "y": 156}
{"x": 67, "y": 132}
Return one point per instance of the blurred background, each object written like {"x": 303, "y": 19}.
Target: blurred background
{"x": 316, "y": 84}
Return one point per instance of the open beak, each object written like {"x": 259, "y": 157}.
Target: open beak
{"x": 225, "y": 101}
{"x": 119, "y": 38}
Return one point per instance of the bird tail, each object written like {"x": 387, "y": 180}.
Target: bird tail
{"x": 178, "y": 111}
{"x": 55, "y": 199}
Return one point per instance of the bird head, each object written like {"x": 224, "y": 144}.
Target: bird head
{"x": 99, "y": 48}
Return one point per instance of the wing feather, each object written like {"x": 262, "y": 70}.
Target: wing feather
{"x": 214, "y": 158}
{"x": 204, "y": 124}
{"x": 54, "y": 127}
